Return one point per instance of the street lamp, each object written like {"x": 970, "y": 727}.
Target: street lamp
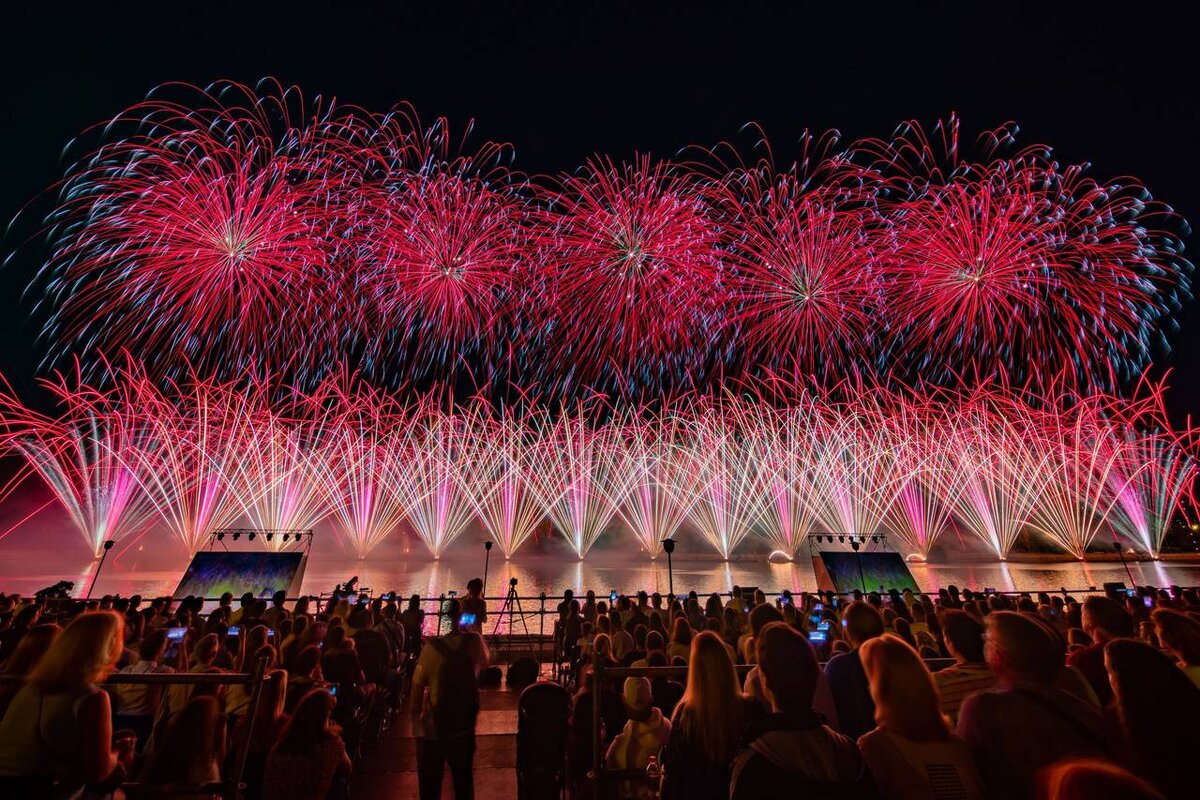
{"x": 669, "y": 546}
{"x": 108, "y": 545}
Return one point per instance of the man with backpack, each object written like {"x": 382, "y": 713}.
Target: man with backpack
{"x": 444, "y": 702}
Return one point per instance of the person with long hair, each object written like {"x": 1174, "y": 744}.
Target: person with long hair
{"x": 57, "y": 734}
{"x": 1157, "y": 707}
{"x": 192, "y": 749}
{"x": 309, "y": 754}
{"x": 911, "y": 753}
{"x": 680, "y": 645}
{"x": 33, "y": 645}
{"x": 706, "y": 725}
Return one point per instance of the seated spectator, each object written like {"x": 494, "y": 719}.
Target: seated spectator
{"x": 22, "y": 622}
{"x": 304, "y": 677}
{"x": 666, "y": 692}
{"x": 760, "y": 616}
{"x": 1179, "y": 635}
{"x": 192, "y": 749}
{"x": 137, "y": 704}
{"x": 997, "y": 723}
{"x": 339, "y": 660}
{"x": 847, "y": 681}
{"x": 57, "y": 735}
{"x": 970, "y": 673}
{"x": 706, "y": 725}
{"x": 1088, "y": 779}
{"x": 309, "y": 754}
{"x": 792, "y": 753}
{"x": 622, "y": 641}
{"x": 912, "y": 754}
{"x": 644, "y": 734}
{"x": 34, "y": 644}
{"x": 1157, "y": 707}
{"x": 1103, "y": 619}
{"x": 680, "y": 645}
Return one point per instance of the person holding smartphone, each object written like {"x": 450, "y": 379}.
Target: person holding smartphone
{"x": 444, "y": 703}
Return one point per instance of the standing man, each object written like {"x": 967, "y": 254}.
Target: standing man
{"x": 444, "y": 703}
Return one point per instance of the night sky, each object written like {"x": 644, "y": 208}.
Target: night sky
{"x": 565, "y": 81}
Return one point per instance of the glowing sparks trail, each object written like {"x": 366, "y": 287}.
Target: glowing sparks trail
{"x": 983, "y": 464}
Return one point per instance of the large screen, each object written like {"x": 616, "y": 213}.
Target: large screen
{"x": 883, "y": 571}
{"x": 212, "y": 573}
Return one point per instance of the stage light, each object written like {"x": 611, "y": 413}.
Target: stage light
{"x": 221, "y": 536}
{"x": 875, "y": 539}
{"x": 285, "y": 538}
{"x": 841, "y": 539}
{"x": 237, "y": 536}
{"x": 270, "y": 537}
{"x": 250, "y": 536}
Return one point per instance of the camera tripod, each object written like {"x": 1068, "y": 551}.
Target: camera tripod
{"x": 512, "y": 608}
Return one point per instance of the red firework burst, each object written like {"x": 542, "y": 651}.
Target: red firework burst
{"x": 444, "y": 250}
{"x": 633, "y": 271}
{"x": 203, "y": 238}
{"x": 806, "y": 288}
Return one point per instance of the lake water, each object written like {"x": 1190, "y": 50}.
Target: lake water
{"x": 30, "y": 562}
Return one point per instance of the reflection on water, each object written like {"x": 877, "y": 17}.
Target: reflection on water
{"x": 26, "y": 568}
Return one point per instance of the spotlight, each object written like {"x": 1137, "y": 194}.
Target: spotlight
{"x": 221, "y": 536}
{"x": 285, "y": 537}
{"x": 236, "y": 536}
{"x": 842, "y": 539}
{"x": 270, "y": 536}
{"x": 875, "y": 539}
{"x": 250, "y": 536}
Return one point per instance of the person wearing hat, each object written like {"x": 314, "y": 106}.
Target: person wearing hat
{"x": 644, "y": 735}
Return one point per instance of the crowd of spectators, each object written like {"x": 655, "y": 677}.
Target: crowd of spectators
{"x": 333, "y": 679}
{"x": 888, "y": 695}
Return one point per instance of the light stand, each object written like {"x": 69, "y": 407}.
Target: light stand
{"x": 108, "y": 545}
{"x": 854, "y": 545}
{"x": 487, "y": 554}
{"x": 669, "y": 547}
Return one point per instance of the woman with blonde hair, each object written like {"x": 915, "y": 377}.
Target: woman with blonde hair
{"x": 707, "y": 724}
{"x": 912, "y": 753}
{"x": 57, "y": 735}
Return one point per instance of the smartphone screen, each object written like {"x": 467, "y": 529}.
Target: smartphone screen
{"x": 612, "y": 596}
{"x": 466, "y": 620}
{"x": 1148, "y": 601}
{"x": 818, "y": 636}
{"x": 234, "y": 630}
{"x": 823, "y": 625}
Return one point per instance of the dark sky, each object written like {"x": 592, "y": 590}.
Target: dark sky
{"x": 564, "y": 81}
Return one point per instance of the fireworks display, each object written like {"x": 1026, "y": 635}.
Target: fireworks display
{"x": 899, "y": 335}
{"x": 240, "y": 230}
{"x": 984, "y": 465}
